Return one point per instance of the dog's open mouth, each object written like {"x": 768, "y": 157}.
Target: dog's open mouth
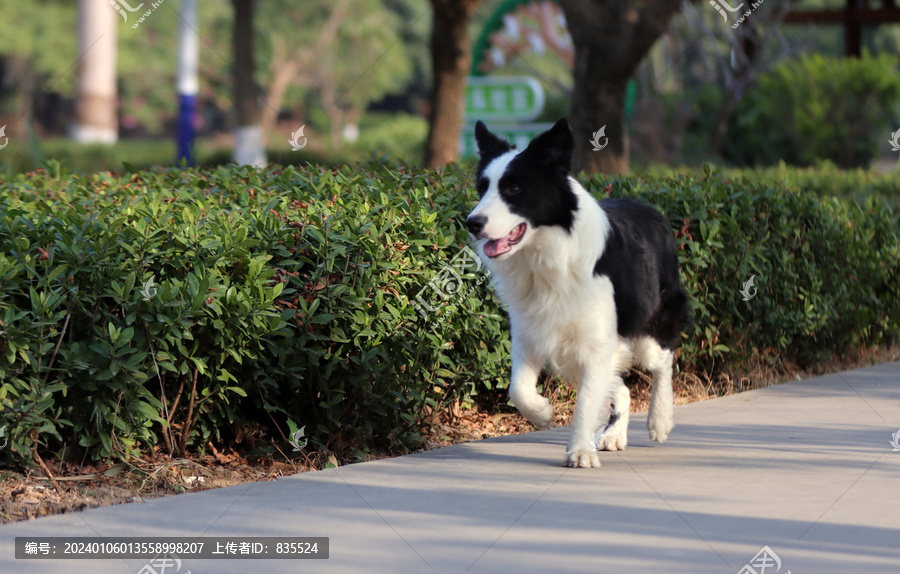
{"x": 496, "y": 247}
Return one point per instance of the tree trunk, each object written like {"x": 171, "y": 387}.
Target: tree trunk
{"x": 600, "y": 101}
{"x": 746, "y": 60}
{"x": 95, "y": 108}
{"x": 283, "y": 73}
{"x": 287, "y": 65}
{"x": 335, "y": 116}
{"x": 450, "y": 61}
{"x": 24, "y": 71}
{"x": 611, "y": 39}
{"x": 723, "y": 115}
{"x": 249, "y": 147}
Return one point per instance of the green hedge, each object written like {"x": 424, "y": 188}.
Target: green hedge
{"x": 825, "y": 179}
{"x": 284, "y": 291}
{"x": 173, "y": 307}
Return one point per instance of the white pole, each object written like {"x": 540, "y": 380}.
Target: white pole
{"x": 188, "y": 81}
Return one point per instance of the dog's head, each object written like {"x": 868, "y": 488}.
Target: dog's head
{"x": 521, "y": 191}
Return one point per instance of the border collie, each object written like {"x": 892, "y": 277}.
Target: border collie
{"x": 591, "y": 287}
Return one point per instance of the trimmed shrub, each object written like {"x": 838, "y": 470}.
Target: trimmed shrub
{"x": 823, "y": 180}
{"x": 817, "y": 108}
{"x": 175, "y": 307}
{"x": 159, "y": 307}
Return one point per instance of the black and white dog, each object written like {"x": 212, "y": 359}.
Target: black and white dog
{"x": 590, "y": 288}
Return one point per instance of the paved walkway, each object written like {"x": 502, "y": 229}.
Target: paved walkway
{"x": 804, "y": 468}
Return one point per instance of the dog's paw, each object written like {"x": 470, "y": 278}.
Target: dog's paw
{"x": 582, "y": 458}
{"x": 658, "y": 435}
{"x": 660, "y": 424}
{"x": 542, "y": 416}
{"x": 615, "y": 436}
{"x": 612, "y": 441}
{"x": 659, "y": 432}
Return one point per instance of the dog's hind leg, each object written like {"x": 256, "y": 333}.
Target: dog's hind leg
{"x": 615, "y": 434}
{"x": 523, "y": 387}
{"x": 659, "y": 362}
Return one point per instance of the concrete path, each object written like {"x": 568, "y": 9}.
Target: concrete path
{"x": 805, "y": 469}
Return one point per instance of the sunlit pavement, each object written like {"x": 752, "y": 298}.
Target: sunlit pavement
{"x": 800, "y": 477}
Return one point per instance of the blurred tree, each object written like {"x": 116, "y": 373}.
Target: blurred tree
{"x": 36, "y": 45}
{"x": 371, "y": 53}
{"x": 249, "y": 146}
{"x": 740, "y": 54}
{"x": 450, "y": 60}
{"x": 345, "y": 52}
{"x": 815, "y": 108}
{"x": 611, "y": 39}
{"x": 95, "y": 108}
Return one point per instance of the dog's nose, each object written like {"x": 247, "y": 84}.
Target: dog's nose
{"x": 475, "y": 223}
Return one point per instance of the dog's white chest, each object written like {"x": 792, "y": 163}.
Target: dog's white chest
{"x": 566, "y": 327}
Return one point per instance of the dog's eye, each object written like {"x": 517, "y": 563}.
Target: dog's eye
{"x": 513, "y": 189}
{"x": 481, "y": 187}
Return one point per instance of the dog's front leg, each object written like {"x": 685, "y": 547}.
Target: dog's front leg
{"x": 526, "y": 367}
{"x": 593, "y": 395}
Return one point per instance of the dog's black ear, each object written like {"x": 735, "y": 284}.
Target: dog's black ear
{"x": 489, "y": 145}
{"x": 553, "y": 148}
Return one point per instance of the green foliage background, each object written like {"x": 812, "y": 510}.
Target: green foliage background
{"x": 818, "y": 108}
{"x": 40, "y": 41}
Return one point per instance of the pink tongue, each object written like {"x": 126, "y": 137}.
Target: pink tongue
{"x": 495, "y": 247}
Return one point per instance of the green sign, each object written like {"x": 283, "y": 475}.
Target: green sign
{"x": 518, "y": 134}
{"x": 493, "y": 98}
